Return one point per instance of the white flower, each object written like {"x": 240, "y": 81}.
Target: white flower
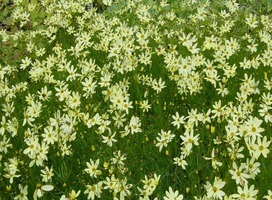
{"x": 171, "y": 195}
{"x": 40, "y": 189}
{"x": 214, "y": 191}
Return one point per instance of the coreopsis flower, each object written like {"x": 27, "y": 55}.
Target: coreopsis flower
{"x": 28, "y": 119}
{"x": 215, "y": 190}
{"x": 8, "y": 108}
{"x": 40, "y": 154}
{"x": 32, "y": 146}
{"x": 210, "y": 42}
{"x": 25, "y": 63}
{"x": 67, "y": 124}
{"x": 178, "y": 120}
{"x": 104, "y": 125}
{"x": 23, "y": 193}
{"x": 49, "y": 135}
{"x": 158, "y": 85}
{"x": 145, "y": 193}
{"x": 206, "y": 117}
{"x": 107, "y": 2}
{"x": 222, "y": 90}
{"x": 118, "y": 158}
{"x": 119, "y": 119}
{"x": 267, "y": 98}
{"x": 55, "y": 122}
{"x": 246, "y": 193}
{"x": 62, "y": 92}
{"x": 95, "y": 120}
{"x": 238, "y": 174}
{"x": 74, "y": 100}
{"x": 254, "y": 128}
{"x": 92, "y": 169}
{"x": 73, "y": 195}
{"x": 217, "y": 109}
{"x": 47, "y": 174}
{"x": 150, "y": 185}
{"x": 268, "y": 84}
{"x": 109, "y": 140}
{"x": 269, "y": 196}
{"x": 232, "y": 133}
{"x": 145, "y": 57}
{"x": 110, "y": 182}
{"x": 180, "y": 161}
{"x": 164, "y": 138}
{"x": 5, "y": 144}
{"x": 40, "y": 189}
{"x": 94, "y": 190}
{"x": 261, "y": 148}
{"x": 11, "y": 169}
{"x": 189, "y": 140}
{"x": 105, "y": 79}
{"x": 44, "y": 94}
{"x": 252, "y": 167}
{"x": 215, "y": 162}
{"x": 252, "y": 21}
{"x": 171, "y": 195}
{"x": 145, "y": 106}
{"x": 235, "y": 152}
{"x": 65, "y": 149}
{"x": 135, "y": 125}
{"x": 89, "y": 86}
{"x": 123, "y": 188}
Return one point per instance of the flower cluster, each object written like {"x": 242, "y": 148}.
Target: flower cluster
{"x": 139, "y": 100}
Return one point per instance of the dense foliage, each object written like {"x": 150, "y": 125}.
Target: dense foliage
{"x": 135, "y": 99}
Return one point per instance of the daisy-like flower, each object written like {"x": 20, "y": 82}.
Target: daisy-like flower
{"x": 49, "y": 135}
{"x": 164, "y": 139}
{"x": 119, "y": 119}
{"x": 23, "y": 193}
{"x": 254, "y": 128}
{"x": 180, "y": 161}
{"x": 47, "y": 174}
{"x": 238, "y": 174}
{"x": 246, "y": 193}
{"x": 178, "y": 120}
{"x": 158, "y": 85}
{"x": 189, "y": 139}
{"x": 74, "y": 100}
{"x": 40, "y": 189}
{"x": 109, "y": 140}
{"x": 135, "y": 125}
{"x": 261, "y": 148}
{"x": 269, "y": 196}
{"x": 44, "y": 94}
{"x": 252, "y": 167}
{"x": 25, "y": 63}
{"x": 73, "y": 195}
{"x": 92, "y": 169}
{"x": 145, "y": 106}
{"x": 264, "y": 112}
{"x": 171, "y": 195}
{"x": 62, "y": 92}
{"x": 94, "y": 190}
{"x": 215, "y": 162}
{"x": 214, "y": 191}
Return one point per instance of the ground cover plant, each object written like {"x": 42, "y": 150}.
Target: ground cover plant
{"x": 135, "y": 99}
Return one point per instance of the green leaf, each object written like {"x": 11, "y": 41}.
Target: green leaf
{"x": 269, "y": 6}
{"x": 7, "y": 21}
{"x": 4, "y": 14}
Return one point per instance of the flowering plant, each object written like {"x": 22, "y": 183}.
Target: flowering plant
{"x": 135, "y": 99}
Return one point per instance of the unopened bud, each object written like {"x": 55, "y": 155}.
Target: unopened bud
{"x": 212, "y": 129}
